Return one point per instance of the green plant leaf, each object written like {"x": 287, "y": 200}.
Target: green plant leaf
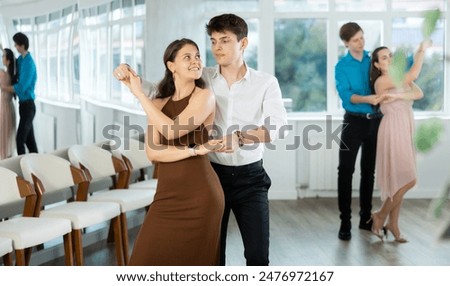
{"x": 428, "y": 134}
{"x": 429, "y": 23}
{"x": 397, "y": 68}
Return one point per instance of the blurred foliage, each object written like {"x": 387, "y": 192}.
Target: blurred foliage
{"x": 428, "y": 134}
{"x": 398, "y": 67}
{"x": 429, "y": 23}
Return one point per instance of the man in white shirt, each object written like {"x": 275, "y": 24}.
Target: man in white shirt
{"x": 249, "y": 111}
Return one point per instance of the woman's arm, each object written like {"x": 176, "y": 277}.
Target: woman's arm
{"x": 384, "y": 84}
{"x": 200, "y": 107}
{"x": 167, "y": 153}
{"x": 419, "y": 56}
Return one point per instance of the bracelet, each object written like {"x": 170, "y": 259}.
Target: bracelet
{"x": 240, "y": 138}
{"x": 192, "y": 151}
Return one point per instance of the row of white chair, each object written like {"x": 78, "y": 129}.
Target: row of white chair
{"x": 51, "y": 174}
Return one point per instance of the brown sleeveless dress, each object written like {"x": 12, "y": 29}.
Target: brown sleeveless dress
{"x": 182, "y": 226}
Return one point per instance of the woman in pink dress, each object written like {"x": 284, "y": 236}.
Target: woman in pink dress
{"x": 396, "y": 156}
{"x": 7, "y": 111}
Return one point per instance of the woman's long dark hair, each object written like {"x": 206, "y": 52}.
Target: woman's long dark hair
{"x": 11, "y": 66}
{"x": 374, "y": 72}
{"x": 166, "y": 87}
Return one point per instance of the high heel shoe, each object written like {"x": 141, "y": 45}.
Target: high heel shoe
{"x": 378, "y": 232}
{"x": 397, "y": 237}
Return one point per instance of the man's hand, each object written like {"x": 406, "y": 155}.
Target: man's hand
{"x": 376, "y": 98}
{"x": 230, "y": 143}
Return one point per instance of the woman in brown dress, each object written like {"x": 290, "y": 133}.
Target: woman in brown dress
{"x": 396, "y": 156}
{"x": 7, "y": 110}
{"x": 182, "y": 226}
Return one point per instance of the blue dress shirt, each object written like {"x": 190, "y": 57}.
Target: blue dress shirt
{"x": 24, "y": 88}
{"x": 352, "y": 77}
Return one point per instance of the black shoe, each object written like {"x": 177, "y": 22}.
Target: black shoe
{"x": 344, "y": 231}
{"x": 345, "y": 235}
{"x": 366, "y": 225}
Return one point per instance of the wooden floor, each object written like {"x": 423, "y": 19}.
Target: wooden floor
{"x": 304, "y": 232}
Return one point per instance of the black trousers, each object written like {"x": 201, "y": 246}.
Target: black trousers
{"x": 359, "y": 132}
{"x": 246, "y": 188}
{"x": 25, "y": 132}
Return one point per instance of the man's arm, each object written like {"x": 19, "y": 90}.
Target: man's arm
{"x": 345, "y": 92}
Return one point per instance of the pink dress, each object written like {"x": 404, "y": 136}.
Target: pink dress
{"x": 7, "y": 120}
{"x": 396, "y": 155}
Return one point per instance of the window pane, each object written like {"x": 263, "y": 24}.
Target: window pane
{"x": 232, "y": 5}
{"x": 301, "y": 62}
{"x": 127, "y": 54}
{"x": 63, "y": 81}
{"x": 407, "y": 33}
{"x": 76, "y": 63}
{"x": 417, "y": 5}
{"x": 251, "y": 52}
{"x": 103, "y": 74}
{"x": 41, "y": 63}
{"x": 360, "y": 5}
{"x": 139, "y": 46}
{"x": 300, "y": 5}
{"x": 52, "y": 46}
{"x": 116, "y": 60}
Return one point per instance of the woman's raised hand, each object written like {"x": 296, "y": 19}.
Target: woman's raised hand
{"x": 122, "y": 73}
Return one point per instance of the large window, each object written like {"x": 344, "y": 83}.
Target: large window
{"x": 406, "y": 34}
{"x": 113, "y": 34}
{"x": 76, "y": 50}
{"x": 300, "y": 57}
{"x": 52, "y": 46}
{"x": 303, "y": 44}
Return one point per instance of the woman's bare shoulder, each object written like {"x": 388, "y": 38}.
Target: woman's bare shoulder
{"x": 383, "y": 84}
{"x": 202, "y": 93}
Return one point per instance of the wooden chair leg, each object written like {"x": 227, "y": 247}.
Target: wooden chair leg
{"x": 68, "y": 249}
{"x": 7, "y": 259}
{"x": 110, "y": 238}
{"x": 118, "y": 241}
{"x": 20, "y": 257}
{"x": 124, "y": 228}
{"x": 28, "y": 252}
{"x": 78, "y": 247}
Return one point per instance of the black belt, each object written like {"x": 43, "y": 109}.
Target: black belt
{"x": 237, "y": 169}
{"x": 365, "y": 115}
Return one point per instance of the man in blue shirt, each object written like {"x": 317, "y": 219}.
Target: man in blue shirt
{"x": 24, "y": 89}
{"x": 361, "y": 121}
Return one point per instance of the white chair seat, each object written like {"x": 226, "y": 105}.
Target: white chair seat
{"x": 146, "y": 184}
{"x": 42, "y": 230}
{"x": 5, "y": 246}
{"x": 128, "y": 199}
{"x": 84, "y": 214}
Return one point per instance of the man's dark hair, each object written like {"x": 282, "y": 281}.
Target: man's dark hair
{"x": 228, "y": 22}
{"x": 21, "y": 40}
{"x": 348, "y": 30}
